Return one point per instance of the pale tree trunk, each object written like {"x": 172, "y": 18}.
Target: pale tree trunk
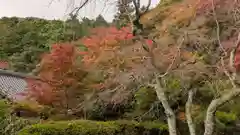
{"x": 171, "y": 118}
{"x": 188, "y": 114}
{"x": 212, "y": 108}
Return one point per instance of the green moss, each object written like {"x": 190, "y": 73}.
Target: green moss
{"x": 225, "y": 117}
{"x": 86, "y": 127}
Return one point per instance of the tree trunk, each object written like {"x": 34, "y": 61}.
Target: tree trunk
{"x": 171, "y": 118}
{"x": 188, "y": 108}
{"x": 212, "y": 108}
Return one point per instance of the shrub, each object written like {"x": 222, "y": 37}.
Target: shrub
{"x": 13, "y": 125}
{"x": 145, "y": 97}
{"x": 10, "y": 125}
{"x": 4, "y": 109}
{"x": 31, "y": 109}
{"x": 86, "y": 127}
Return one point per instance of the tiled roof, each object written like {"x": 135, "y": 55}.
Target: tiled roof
{"x": 12, "y": 83}
{"x": 10, "y": 86}
{"x": 16, "y": 74}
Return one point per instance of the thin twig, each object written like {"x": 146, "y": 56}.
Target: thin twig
{"x": 77, "y": 9}
{"x": 129, "y": 17}
{"x": 140, "y": 117}
{"x": 174, "y": 59}
{"x": 227, "y": 73}
{"x": 148, "y": 6}
{"x": 232, "y": 54}
{"x": 218, "y": 28}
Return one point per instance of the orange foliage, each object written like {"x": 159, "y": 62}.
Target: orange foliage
{"x": 104, "y": 40}
{"x": 61, "y": 69}
{"x": 59, "y": 72}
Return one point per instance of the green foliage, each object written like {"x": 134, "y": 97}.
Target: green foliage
{"x": 145, "y": 97}
{"x": 100, "y": 21}
{"x": 86, "y": 127}
{"x": 14, "y": 125}
{"x": 172, "y": 83}
{"x": 174, "y": 88}
{"x": 145, "y": 106}
{"x": 10, "y": 125}
{"x": 215, "y": 87}
{"x": 4, "y": 112}
{"x": 24, "y": 40}
{"x": 225, "y": 117}
{"x": 233, "y": 106}
{"x": 102, "y": 110}
{"x": 75, "y": 28}
{"x": 4, "y": 109}
{"x": 121, "y": 19}
{"x": 31, "y": 109}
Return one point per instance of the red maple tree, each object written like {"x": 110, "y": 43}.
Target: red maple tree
{"x": 59, "y": 71}
{"x": 64, "y": 67}
{"x": 103, "y": 39}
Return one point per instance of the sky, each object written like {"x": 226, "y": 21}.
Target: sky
{"x": 58, "y": 9}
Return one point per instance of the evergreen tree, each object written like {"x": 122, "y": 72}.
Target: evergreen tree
{"x": 100, "y": 21}
{"x": 124, "y": 11}
{"x": 75, "y": 28}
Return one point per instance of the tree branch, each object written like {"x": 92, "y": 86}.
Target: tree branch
{"x": 148, "y": 6}
{"x": 77, "y": 9}
{"x": 137, "y": 9}
{"x": 188, "y": 108}
{"x": 212, "y": 108}
{"x": 171, "y": 118}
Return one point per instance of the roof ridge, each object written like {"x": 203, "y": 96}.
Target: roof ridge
{"x": 18, "y": 74}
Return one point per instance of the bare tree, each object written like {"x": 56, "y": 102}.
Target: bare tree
{"x": 213, "y": 106}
